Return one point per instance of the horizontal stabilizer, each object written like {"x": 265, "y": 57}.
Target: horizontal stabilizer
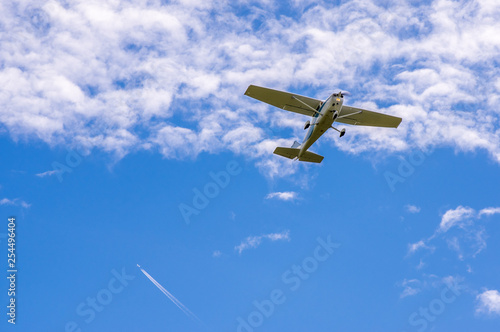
{"x": 292, "y": 153}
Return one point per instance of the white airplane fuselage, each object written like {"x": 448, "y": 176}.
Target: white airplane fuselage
{"x": 322, "y": 121}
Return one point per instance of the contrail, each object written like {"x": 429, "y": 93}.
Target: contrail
{"x": 170, "y": 296}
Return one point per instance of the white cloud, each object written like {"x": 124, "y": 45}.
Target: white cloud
{"x": 454, "y": 244}
{"x": 279, "y": 236}
{"x": 489, "y": 302}
{"x": 489, "y": 211}
{"x": 412, "y": 208}
{"x": 413, "y": 247}
{"x": 469, "y": 242}
{"x": 455, "y": 217}
{"x": 24, "y": 204}
{"x": 170, "y": 78}
{"x": 47, "y": 173}
{"x": 255, "y": 241}
{"x": 420, "y": 265}
{"x": 414, "y": 286}
{"x": 285, "y": 196}
{"x": 411, "y": 287}
{"x": 409, "y": 291}
{"x": 216, "y": 254}
{"x": 453, "y": 282}
{"x": 15, "y": 202}
{"x": 6, "y": 201}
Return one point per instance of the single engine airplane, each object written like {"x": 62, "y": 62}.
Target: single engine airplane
{"x": 323, "y": 113}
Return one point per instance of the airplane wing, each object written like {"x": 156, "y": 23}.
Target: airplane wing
{"x": 361, "y": 117}
{"x": 288, "y": 101}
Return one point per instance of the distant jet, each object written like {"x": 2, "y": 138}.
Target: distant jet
{"x": 323, "y": 113}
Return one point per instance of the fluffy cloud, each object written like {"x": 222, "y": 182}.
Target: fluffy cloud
{"x": 471, "y": 237}
{"x": 411, "y": 287}
{"x": 284, "y": 196}
{"x": 455, "y": 217}
{"x": 412, "y": 208}
{"x": 122, "y": 76}
{"x": 413, "y": 247}
{"x": 489, "y": 211}
{"x": 255, "y": 241}
{"x": 15, "y": 202}
{"x": 47, "y": 173}
{"x": 489, "y": 302}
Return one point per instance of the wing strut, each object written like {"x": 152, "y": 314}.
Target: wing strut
{"x": 305, "y": 104}
{"x": 345, "y": 116}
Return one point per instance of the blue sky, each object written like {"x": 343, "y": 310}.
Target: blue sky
{"x": 114, "y": 114}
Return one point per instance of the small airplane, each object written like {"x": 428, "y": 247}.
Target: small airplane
{"x": 323, "y": 113}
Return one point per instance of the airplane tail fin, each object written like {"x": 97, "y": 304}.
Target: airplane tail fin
{"x": 292, "y": 153}
{"x": 296, "y": 145}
